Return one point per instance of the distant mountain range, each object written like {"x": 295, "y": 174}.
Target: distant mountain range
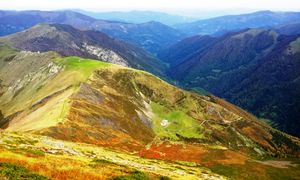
{"x": 257, "y": 69}
{"x": 139, "y": 17}
{"x": 220, "y": 25}
{"x": 151, "y": 35}
{"x": 69, "y": 41}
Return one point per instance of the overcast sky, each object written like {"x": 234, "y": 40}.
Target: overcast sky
{"x": 176, "y": 6}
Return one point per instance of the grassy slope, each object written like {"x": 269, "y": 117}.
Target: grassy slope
{"x": 57, "y": 88}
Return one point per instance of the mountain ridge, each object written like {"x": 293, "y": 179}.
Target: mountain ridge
{"x": 220, "y": 25}
{"x": 149, "y": 37}
{"x": 138, "y": 16}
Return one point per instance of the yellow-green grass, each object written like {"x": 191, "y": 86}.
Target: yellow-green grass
{"x": 11, "y": 171}
{"x": 6, "y": 51}
{"x": 53, "y": 112}
{"x": 6, "y": 54}
{"x": 83, "y": 66}
{"x": 179, "y": 123}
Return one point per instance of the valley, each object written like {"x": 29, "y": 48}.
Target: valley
{"x": 259, "y": 77}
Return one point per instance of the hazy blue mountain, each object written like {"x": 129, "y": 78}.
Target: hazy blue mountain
{"x": 220, "y": 25}
{"x": 151, "y": 36}
{"x": 290, "y": 29}
{"x": 15, "y": 21}
{"x": 139, "y": 16}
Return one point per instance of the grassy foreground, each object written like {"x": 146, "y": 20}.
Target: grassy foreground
{"x": 41, "y": 157}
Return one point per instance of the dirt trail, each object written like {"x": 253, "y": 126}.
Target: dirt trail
{"x": 278, "y": 164}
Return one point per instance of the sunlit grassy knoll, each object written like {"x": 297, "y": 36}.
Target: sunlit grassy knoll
{"x": 53, "y": 112}
{"x": 84, "y": 66}
{"x": 50, "y": 95}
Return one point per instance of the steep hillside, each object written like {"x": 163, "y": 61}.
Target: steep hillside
{"x": 255, "y": 69}
{"x": 150, "y": 36}
{"x": 88, "y": 101}
{"x": 181, "y": 51}
{"x": 69, "y": 41}
{"x": 223, "y": 24}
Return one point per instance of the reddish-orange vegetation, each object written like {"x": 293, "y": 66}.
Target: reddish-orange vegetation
{"x": 115, "y": 140}
{"x": 225, "y": 157}
{"x": 258, "y": 136}
{"x": 193, "y": 153}
{"x": 53, "y": 172}
{"x": 174, "y": 152}
{"x": 231, "y": 157}
{"x": 63, "y": 168}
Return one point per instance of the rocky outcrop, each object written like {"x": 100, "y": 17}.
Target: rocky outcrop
{"x": 105, "y": 55}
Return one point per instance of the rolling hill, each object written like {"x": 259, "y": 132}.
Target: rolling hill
{"x": 221, "y": 25}
{"x": 150, "y": 35}
{"x": 69, "y": 41}
{"x": 256, "y": 69}
{"x": 86, "y": 101}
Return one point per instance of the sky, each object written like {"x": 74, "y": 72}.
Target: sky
{"x": 181, "y": 7}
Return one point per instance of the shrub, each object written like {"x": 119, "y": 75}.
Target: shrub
{"x": 12, "y": 171}
{"x": 136, "y": 175}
